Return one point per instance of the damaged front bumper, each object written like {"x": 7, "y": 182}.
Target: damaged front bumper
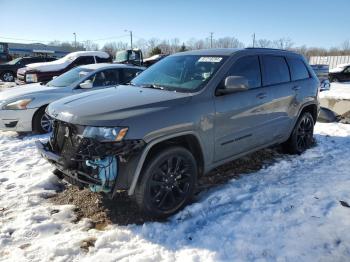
{"x": 86, "y": 162}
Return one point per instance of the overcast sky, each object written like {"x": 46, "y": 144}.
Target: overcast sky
{"x": 321, "y": 23}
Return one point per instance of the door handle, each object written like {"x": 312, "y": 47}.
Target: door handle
{"x": 261, "y": 95}
{"x": 296, "y": 88}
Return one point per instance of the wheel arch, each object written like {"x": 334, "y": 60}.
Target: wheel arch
{"x": 188, "y": 140}
{"x": 36, "y": 113}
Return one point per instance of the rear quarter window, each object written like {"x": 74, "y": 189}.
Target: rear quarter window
{"x": 274, "y": 70}
{"x": 298, "y": 69}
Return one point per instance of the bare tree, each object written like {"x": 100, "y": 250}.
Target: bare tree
{"x": 283, "y": 43}
{"x": 91, "y": 46}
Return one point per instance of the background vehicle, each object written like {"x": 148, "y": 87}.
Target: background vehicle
{"x": 8, "y": 71}
{"x": 185, "y": 115}
{"x": 22, "y": 108}
{"x": 322, "y": 72}
{"x": 340, "y": 74}
{"x": 44, "y": 72}
{"x": 135, "y": 57}
{"x": 4, "y": 53}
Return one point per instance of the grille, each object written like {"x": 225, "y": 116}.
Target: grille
{"x": 64, "y": 141}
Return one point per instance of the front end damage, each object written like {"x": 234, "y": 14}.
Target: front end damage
{"x": 103, "y": 166}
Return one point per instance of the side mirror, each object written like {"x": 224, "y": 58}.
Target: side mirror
{"x": 234, "y": 84}
{"x": 86, "y": 84}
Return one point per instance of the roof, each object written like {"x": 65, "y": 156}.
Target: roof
{"x": 109, "y": 65}
{"x": 87, "y": 53}
{"x": 213, "y": 51}
{"x": 228, "y": 51}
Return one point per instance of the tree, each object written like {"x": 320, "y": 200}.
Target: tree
{"x": 155, "y": 51}
{"x": 110, "y": 48}
{"x": 183, "y": 48}
{"x": 91, "y": 46}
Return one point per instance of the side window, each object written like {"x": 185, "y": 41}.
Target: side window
{"x": 347, "y": 70}
{"x": 129, "y": 74}
{"x": 298, "y": 69}
{"x": 105, "y": 78}
{"x": 274, "y": 70}
{"x": 102, "y": 60}
{"x": 249, "y": 68}
{"x": 84, "y": 60}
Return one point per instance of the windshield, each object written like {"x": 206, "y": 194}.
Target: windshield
{"x": 121, "y": 56}
{"x": 187, "y": 73}
{"x": 14, "y": 61}
{"x": 69, "y": 77}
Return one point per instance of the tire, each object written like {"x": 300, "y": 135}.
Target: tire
{"x": 302, "y": 136}
{"x": 168, "y": 182}
{"x": 41, "y": 122}
{"x": 8, "y": 76}
{"x": 335, "y": 80}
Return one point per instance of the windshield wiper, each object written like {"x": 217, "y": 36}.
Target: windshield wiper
{"x": 152, "y": 86}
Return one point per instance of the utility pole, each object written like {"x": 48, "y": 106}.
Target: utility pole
{"x": 211, "y": 39}
{"x": 130, "y": 37}
{"x": 253, "y": 40}
{"x": 75, "y": 40}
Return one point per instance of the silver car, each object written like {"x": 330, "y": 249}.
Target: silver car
{"x": 22, "y": 109}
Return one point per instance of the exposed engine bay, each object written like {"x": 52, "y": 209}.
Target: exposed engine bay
{"x": 85, "y": 161}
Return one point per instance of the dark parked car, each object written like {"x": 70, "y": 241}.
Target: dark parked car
{"x": 181, "y": 118}
{"x": 8, "y": 70}
{"x": 44, "y": 72}
{"x": 340, "y": 74}
{"x": 322, "y": 72}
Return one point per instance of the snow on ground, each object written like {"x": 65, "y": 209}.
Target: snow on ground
{"x": 337, "y": 91}
{"x": 288, "y": 211}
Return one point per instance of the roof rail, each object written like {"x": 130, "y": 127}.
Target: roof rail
{"x": 266, "y": 48}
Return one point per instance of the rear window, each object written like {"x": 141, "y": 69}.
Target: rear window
{"x": 275, "y": 70}
{"x": 298, "y": 69}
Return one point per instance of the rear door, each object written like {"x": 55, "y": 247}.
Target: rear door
{"x": 241, "y": 117}
{"x": 276, "y": 78}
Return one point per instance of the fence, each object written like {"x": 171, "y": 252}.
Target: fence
{"x": 332, "y": 61}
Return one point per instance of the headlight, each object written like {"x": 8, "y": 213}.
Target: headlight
{"x": 31, "y": 78}
{"x": 18, "y": 105}
{"x": 105, "y": 133}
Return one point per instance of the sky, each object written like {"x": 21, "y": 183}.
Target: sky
{"x": 321, "y": 23}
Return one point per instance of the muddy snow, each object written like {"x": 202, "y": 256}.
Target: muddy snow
{"x": 285, "y": 208}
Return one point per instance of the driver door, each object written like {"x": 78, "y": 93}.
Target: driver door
{"x": 240, "y": 117}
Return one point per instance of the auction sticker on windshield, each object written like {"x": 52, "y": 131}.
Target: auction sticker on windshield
{"x": 210, "y": 59}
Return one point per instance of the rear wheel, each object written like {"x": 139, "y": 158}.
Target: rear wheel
{"x": 42, "y": 123}
{"x": 302, "y": 135}
{"x": 168, "y": 182}
{"x": 8, "y": 76}
{"x": 335, "y": 80}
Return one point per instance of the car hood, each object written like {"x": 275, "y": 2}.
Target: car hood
{"x": 24, "y": 91}
{"x": 56, "y": 65}
{"x": 109, "y": 107}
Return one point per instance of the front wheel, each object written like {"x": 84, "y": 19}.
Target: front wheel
{"x": 168, "y": 182}
{"x": 302, "y": 135}
{"x": 8, "y": 76}
{"x": 42, "y": 123}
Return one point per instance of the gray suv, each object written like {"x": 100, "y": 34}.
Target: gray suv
{"x": 179, "y": 119}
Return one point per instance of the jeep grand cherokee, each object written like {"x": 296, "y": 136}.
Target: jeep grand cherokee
{"x": 179, "y": 119}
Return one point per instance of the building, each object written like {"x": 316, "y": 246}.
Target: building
{"x": 332, "y": 61}
{"x": 19, "y": 50}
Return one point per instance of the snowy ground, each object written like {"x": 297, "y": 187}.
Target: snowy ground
{"x": 337, "y": 91}
{"x": 288, "y": 211}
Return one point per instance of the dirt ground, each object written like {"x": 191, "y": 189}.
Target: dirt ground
{"x": 122, "y": 210}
